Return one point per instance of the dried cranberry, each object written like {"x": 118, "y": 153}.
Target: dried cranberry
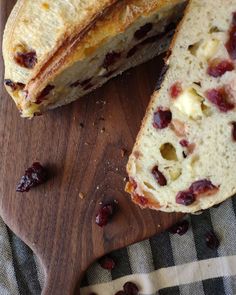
{"x": 180, "y": 228}
{"x": 14, "y": 85}
{"x": 203, "y": 186}
{"x": 220, "y": 98}
{"x": 218, "y": 68}
{"x": 107, "y": 262}
{"x": 160, "y": 178}
{"x": 184, "y": 143}
{"x": 162, "y": 118}
{"x": 185, "y": 198}
{"x": 26, "y": 59}
{"x": 105, "y": 214}
{"x": 175, "y": 90}
{"x": 212, "y": 241}
{"x": 110, "y": 59}
{"x": 231, "y": 43}
{"x": 120, "y": 293}
{"x": 35, "y": 175}
{"x": 44, "y": 93}
{"x": 130, "y": 288}
{"x": 234, "y": 131}
{"x": 143, "y": 31}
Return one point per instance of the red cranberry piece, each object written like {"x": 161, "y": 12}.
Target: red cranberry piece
{"x": 104, "y": 215}
{"x": 218, "y": 68}
{"x": 175, "y": 90}
{"x": 44, "y": 93}
{"x": 162, "y": 118}
{"x": 160, "y": 178}
{"x": 185, "y": 198}
{"x": 180, "y": 228}
{"x": 142, "y": 200}
{"x": 184, "y": 143}
{"x": 107, "y": 262}
{"x": 234, "y": 131}
{"x": 203, "y": 186}
{"x": 34, "y": 176}
{"x": 130, "y": 288}
{"x": 26, "y": 59}
{"x": 231, "y": 43}
{"x": 14, "y": 86}
{"x": 212, "y": 241}
{"x": 110, "y": 59}
{"x": 143, "y": 31}
{"x": 220, "y": 98}
{"x": 120, "y": 293}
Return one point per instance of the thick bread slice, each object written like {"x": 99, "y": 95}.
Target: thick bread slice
{"x": 185, "y": 154}
{"x": 103, "y": 51}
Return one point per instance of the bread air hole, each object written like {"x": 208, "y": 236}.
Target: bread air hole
{"x": 194, "y": 47}
{"x": 168, "y": 152}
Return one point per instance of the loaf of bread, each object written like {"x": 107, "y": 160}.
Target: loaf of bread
{"x": 184, "y": 157}
{"x": 57, "y": 51}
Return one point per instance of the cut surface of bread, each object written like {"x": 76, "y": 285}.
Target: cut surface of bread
{"x": 68, "y": 48}
{"x": 184, "y": 157}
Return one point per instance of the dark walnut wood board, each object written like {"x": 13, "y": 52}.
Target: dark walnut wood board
{"x": 52, "y": 219}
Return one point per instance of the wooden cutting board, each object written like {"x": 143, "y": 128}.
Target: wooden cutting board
{"x": 52, "y": 219}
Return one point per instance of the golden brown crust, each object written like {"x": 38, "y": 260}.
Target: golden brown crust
{"x": 65, "y": 52}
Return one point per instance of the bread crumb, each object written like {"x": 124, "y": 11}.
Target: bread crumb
{"x": 81, "y": 195}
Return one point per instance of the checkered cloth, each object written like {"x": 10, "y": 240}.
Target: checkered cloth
{"x": 165, "y": 264}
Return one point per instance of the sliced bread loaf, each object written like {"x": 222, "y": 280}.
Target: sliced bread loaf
{"x": 185, "y": 154}
{"x": 58, "y": 52}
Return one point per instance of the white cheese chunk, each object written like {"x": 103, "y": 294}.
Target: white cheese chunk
{"x": 189, "y": 102}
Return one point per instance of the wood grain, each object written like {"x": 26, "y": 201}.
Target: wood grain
{"x": 52, "y": 219}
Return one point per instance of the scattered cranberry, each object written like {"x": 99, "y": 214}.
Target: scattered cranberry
{"x": 180, "y": 228}
{"x": 107, "y": 262}
{"x": 120, "y": 293}
{"x": 44, "y": 93}
{"x": 141, "y": 200}
{"x": 27, "y": 60}
{"x": 218, "y": 68}
{"x": 160, "y": 178}
{"x": 220, "y": 98}
{"x": 231, "y": 43}
{"x": 105, "y": 214}
{"x": 203, "y": 186}
{"x": 130, "y": 288}
{"x": 110, "y": 59}
{"x": 35, "y": 175}
{"x": 162, "y": 118}
{"x": 234, "y": 131}
{"x": 185, "y": 198}
{"x": 143, "y": 31}
{"x": 184, "y": 143}
{"x": 212, "y": 241}
{"x": 175, "y": 90}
